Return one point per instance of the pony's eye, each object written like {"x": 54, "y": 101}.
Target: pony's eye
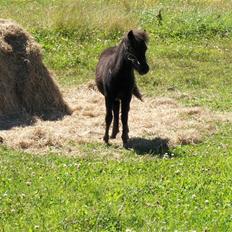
{"x": 145, "y": 47}
{"x": 130, "y": 49}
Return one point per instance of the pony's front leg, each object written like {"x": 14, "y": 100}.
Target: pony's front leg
{"x": 124, "y": 117}
{"x": 108, "y": 117}
{"x": 116, "y": 119}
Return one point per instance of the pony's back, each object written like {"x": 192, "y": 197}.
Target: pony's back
{"x": 103, "y": 67}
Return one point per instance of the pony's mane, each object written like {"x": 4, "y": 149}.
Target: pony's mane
{"x": 140, "y": 35}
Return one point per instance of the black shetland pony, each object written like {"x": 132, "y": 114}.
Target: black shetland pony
{"x": 116, "y": 81}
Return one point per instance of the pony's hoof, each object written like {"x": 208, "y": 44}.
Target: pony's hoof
{"x": 106, "y": 139}
{"x": 125, "y": 139}
{"x": 114, "y": 134}
{"x": 126, "y": 145}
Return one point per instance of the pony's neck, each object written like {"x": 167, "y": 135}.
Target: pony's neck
{"x": 121, "y": 62}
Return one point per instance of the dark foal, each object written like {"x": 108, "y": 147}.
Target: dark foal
{"x": 116, "y": 81}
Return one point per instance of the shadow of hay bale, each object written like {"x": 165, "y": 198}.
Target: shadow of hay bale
{"x": 156, "y": 146}
{"x": 26, "y": 85}
{"x": 11, "y": 121}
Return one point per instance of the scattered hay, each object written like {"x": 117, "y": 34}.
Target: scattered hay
{"x": 26, "y": 86}
{"x": 152, "y": 119}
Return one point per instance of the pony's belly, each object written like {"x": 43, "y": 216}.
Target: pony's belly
{"x": 122, "y": 95}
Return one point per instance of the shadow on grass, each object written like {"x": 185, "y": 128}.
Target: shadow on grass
{"x": 25, "y": 119}
{"x": 157, "y": 146}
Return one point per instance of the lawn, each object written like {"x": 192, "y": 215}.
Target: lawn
{"x": 111, "y": 188}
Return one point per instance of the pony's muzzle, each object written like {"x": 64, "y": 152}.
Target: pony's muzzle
{"x": 141, "y": 67}
{"x": 144, "y": 69}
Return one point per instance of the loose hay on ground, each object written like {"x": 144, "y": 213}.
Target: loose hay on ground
{"x": 154, "y": 118}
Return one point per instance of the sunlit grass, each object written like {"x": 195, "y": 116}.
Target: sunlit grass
{"x": 190, "y": 59}
{"x": 190, "y": 190}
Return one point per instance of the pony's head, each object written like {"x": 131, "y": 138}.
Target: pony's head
{"x": 136, "y": 45}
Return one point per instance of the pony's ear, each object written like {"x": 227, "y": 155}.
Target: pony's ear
{"x": 131, "y": 36}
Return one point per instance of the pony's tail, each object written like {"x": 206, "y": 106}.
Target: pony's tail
{"x": 137, "y": 93}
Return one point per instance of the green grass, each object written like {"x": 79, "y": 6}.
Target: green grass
{"x": 190, "y": 190}
{"x": 190, "y": 59}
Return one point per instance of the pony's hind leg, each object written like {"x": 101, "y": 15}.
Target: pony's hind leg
{"x": 116, "y": 119}
{"x": 108, "y": 118}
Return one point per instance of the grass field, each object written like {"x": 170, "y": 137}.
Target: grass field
{"x": 187, "y": 190}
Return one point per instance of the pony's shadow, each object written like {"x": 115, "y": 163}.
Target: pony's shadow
{"x": 142, "y": 146}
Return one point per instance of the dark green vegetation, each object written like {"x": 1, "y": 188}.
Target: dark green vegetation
{"x": 190, "y": 57}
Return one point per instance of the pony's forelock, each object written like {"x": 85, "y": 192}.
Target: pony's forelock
{"x": 139, "y": 35}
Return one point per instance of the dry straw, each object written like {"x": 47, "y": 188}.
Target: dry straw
{"x": 154, "y": 118}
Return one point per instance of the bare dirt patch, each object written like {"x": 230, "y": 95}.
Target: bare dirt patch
{"x": 158, "y": 117}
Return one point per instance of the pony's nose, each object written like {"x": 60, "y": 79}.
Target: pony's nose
{"x": 145, "y": 69}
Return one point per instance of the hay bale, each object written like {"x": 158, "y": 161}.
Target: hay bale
{"x": 26, "y": 86}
